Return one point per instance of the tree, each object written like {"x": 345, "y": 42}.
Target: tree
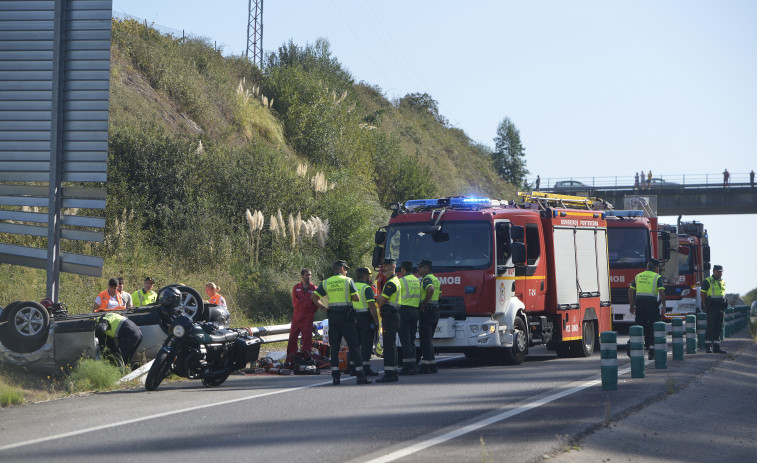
{"x": 509, "y": 154}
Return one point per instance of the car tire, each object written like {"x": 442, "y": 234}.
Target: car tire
{"x": 26, "y": 327}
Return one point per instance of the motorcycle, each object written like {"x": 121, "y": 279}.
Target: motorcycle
{"x": 203, "y": 351}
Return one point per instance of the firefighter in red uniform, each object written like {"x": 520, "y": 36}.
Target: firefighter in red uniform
{"x": 302, "y": 317}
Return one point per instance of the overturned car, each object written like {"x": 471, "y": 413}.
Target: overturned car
{"x": 45, "y": 337}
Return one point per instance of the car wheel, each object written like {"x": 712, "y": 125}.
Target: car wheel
{"x": 26, "y": 328}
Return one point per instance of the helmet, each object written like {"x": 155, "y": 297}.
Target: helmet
{"x": 218, "y": 314}
{"x": 170, "y": 297}
{"x": 47, "y": 303}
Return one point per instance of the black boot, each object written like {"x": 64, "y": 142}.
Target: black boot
{"x": 336, "y": 378}
{"x": 716, "y": 348}
{"x": 433, "y": 368}
{"x": 390, "y": 376}
{"x": 650, "y": 356}
{"x": 369, "y": 371}
{"x": 362, "y": 379}
{"x": 708, "y": 348}
{"x": 424, "y": 369}
{"x": 407, "y": 370}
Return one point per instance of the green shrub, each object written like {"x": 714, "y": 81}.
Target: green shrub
{"x": 93, "y": 375}
{"x": 10, "y": 395}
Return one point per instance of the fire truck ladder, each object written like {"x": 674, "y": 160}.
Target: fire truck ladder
{"x": 551, "y": 200}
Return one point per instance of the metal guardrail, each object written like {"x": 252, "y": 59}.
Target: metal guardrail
{"x": 740, "y": 179}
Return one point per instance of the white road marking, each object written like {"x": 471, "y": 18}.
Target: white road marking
{"x": 151, "y": 417}
{"x": 417, "y": 447}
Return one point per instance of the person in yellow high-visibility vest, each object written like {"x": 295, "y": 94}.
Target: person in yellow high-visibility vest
{"x": 643, "y": 297}
{"x": 389, "y": 302}
{"x": 118, "y": 334}
{"x": 411, "y": 302}
{"x": 366, "y": 316}
{"x": 146, "y": 295}
{"x": 429, "y": 315}
{"x": 714, "y": 303}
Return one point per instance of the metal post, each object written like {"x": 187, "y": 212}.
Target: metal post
{"x": 56, "y": 152}
{"x": 660, "y": 346}
{"x": 636, "y": 349}
{"x": 609, "y": 362}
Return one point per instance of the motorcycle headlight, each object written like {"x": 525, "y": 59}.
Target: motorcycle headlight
{"x": 179, "y": 331}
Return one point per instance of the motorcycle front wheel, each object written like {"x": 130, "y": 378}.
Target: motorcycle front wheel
{"x": 159, "y": 369}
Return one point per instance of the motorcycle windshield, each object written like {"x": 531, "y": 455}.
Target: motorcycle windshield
{"x": 452, "y": 247}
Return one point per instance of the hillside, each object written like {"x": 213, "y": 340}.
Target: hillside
{"x": 196, "y": 139}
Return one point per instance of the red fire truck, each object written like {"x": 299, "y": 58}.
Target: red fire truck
{"x": 513, "y": 275}
{"x": 693, "y": 267}
{"x": 632, "y": 239}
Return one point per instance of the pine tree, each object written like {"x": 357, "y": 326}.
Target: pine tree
{"x": 509, "y": 154}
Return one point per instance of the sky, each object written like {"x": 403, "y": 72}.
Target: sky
{"x": 598, "y": 90}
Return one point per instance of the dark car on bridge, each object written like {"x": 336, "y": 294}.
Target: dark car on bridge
{"x": 570, "y": 186}
{"x": 658, "y": 183}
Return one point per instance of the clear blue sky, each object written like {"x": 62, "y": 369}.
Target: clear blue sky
{"x": 597, "y": 88}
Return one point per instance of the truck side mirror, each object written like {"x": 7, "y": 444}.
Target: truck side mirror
{"x": 706, "y": 266}
{"x": 666, "y": 248}
{"x": 379, "y": 237}
{"x": 706, "y": 253}
{"x": 519, "y": 253}
{"x": 517, "y": 233}
{"x": 378, "y": 252}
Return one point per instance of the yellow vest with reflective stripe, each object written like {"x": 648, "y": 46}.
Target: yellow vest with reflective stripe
{"x": 114, "y": 321}
{"x": 337, "y": 289}
{"x": 646, "y": 283}
{"x": 142, "y": 299}
{"x": 411, "y": 291}
{"x": 716, "y": 289}
{"x": 362, "y": 304}
{"x": 437, "y": 288}
{"x": 395, "y": 300}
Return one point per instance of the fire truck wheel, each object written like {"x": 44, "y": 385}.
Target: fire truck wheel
{"x": 517, "y": 354}
{"x": 585, "y": 347}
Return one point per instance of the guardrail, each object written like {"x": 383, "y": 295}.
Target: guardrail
{"x": 741, "y": 179}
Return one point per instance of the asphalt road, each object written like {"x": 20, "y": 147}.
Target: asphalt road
{"x": 470, "y": 411}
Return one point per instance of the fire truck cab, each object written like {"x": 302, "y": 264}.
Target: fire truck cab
{"x": 693, "y": 267}
{"x": 513, "y": 275}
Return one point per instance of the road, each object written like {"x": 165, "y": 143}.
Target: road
{"x": 470, "y": 411}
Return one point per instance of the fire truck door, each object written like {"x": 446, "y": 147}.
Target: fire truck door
{"x": 534, "y": 283}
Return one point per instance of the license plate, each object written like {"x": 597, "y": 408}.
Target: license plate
{"x": 445, "y": 328}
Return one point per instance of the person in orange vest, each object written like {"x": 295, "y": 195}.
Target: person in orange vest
{"x": 211, "y": 289}
{"x": 110, "y": 299}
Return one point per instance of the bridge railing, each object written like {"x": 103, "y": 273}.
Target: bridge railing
{"x": 628, "y": 181}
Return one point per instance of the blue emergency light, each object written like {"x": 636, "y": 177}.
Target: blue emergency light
{"x": 458, "y": 202}
{"x": 629, "y": 213}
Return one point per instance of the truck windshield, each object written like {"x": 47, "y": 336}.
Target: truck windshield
{"x": 628, "y": 247}
{"x": 685, "y": 259}
{"x": 457, "y": 246}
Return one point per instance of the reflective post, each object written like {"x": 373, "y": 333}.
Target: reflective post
{"x": 636, "y": 350}
{"x": 691, "y": 334}
{"x": 609, "y": 361}
{"x": 660, "y": 346}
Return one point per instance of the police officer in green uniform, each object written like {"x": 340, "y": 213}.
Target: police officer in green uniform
{"x": 714, "y": 303}
{"x": 642, "y": 295}
{"x": 429, "y": 316}
{"x": 342, "y": 293}
{"x": 411, "y": 302}
{"x": 366, "y": 317}
{"x": 117, "y": 334}
{"x": 389, "y": 305}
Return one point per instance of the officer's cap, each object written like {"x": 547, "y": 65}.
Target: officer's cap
{"x": 653, "y": 261}
{"x": 340, "y": 264}
{"x": 365, "y": 270}
{"x": 390, "y": 261}
{"x": 149, "y": 279}
{"x": 424, "y": 263}
{"x": 717, "y": 267}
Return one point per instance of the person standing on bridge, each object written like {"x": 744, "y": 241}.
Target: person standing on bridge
{"x": 641, "y": 180}
{"x": 636, "y": 182}
{"x": 714, "y": 303}
{"x": 642, "y": 295}
{"x": 751, "y": 179}
{"x": 538, "y": 182}
{"x": 726, "y": 177}
{"x": 649, "y": 179}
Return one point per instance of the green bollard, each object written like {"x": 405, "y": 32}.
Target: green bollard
{"x": 677, "y": 331}
{"x": 691, "y": 334}
{"x": 636, "y": 350}
{"x": 608, "y": 342}
{"x": 660, "y": 346}
{"x": 701, "y": 329}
